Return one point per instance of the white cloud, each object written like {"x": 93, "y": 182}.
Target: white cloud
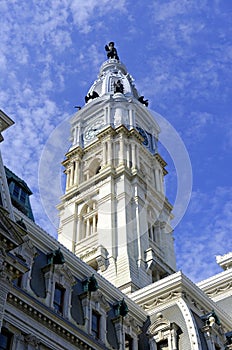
{"x": 198, "y": 124}
{"x": 82, "y": 12}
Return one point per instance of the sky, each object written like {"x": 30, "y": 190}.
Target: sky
{"x": 178, "y": 51}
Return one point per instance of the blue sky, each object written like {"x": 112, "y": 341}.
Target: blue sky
{"x": 178, "y": 51}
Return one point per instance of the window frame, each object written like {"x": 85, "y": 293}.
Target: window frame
{"x": 16, "y": 190}
{"x": 23, "y": 196}
{"x": 95, "y": 330}
{"x": 59, "y": 306}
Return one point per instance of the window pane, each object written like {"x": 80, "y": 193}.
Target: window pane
{"x": 16, "y": 190}
{"x": 58, "y": 298}
{"x": 5, "y": 340}
{"x": 23, "y": 196}
{"x": 96, "y": 324}
{"x": 58, "y": 295}
{"x": 162, "y": 345}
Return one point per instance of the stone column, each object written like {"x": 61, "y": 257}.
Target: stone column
{"x": 85, "y": 300}
{"x": 157, "y": 179}
{"x": 18, "y": 342}
{"x": 76, "y": 172}
{"x": 121, "y": 152}
{"x": 118, "y": 324}
{"x": 128, "y": 153}
{"x": 79, "y": 234}
{"x": 133, "y": 156}
{"x": 67, "y": 171}
{"x": 104, "y": 153}
{"x": 109, "y": 152}
{"x": 71, "y": 174}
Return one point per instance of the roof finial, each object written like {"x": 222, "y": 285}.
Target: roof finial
{"x": 111, "y": 51}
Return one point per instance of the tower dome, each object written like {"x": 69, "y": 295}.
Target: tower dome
{"x": 113, "y": 77}
{"x": 111, "y": 101}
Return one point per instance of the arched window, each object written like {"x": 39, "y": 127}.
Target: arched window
{"x": 151, "y": 220}
{"x": 89, "y": 218}
{"x": 94, "y": 167}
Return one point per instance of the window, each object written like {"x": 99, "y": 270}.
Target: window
{"x": 16, "y": 190}
{"x": 23, "y": 196}
{"x": 89, "y": 219}
{"x": 96, "y": 324}
{"x": 152, "y": 225}
{"x": 98, "y": 170}
{"x": 58, "y": 298}
{"x": 163, "y": 345}
{"x": 5, "y": 339}
{"x": 128, "y": 342}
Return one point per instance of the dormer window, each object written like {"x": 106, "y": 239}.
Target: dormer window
{"x": 16, "y": 190}
{"x": 58, "y": 301}
{"x": 96, "y": 318}
{"x": 19, "y": 192}
{"x": 166, "y": 334}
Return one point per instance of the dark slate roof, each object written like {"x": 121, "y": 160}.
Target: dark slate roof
{"x": 23, "y": 206}
{"x": 12, "y": 177}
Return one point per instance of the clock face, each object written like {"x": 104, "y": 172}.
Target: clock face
{"x": 92, "y": 130}
{"x": 144, "y": 135}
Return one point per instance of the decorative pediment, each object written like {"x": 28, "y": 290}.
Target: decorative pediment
{"x": 25, "y": 251}
{"x": 162, "y": 329}
{"x": 160, "y": 324}
{"x": 98, "y": 297}
{"x": 64, "y": 275}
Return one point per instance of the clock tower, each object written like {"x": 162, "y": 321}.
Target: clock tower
{"x": 114, "y": 214}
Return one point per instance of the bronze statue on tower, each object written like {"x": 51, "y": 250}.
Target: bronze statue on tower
{"x": 111, "y": 51}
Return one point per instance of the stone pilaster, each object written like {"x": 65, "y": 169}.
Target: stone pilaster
{"x": 5, "y": 284}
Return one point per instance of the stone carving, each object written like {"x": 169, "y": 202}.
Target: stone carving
{"x": 118, "y": 87}
{"x": 31, "y": 339}
{"x": 144, "y": 102}
{"x": 90, "y": 284}
{"x": 121, "y": 308}
{"x": 161, "y": 300}
{"x": 91, "y": 96}
{"x": 218, "y": 290}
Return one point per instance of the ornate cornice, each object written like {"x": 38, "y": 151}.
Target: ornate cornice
{"x": 220, "y": 289}
{"x": 54, "y": 322}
